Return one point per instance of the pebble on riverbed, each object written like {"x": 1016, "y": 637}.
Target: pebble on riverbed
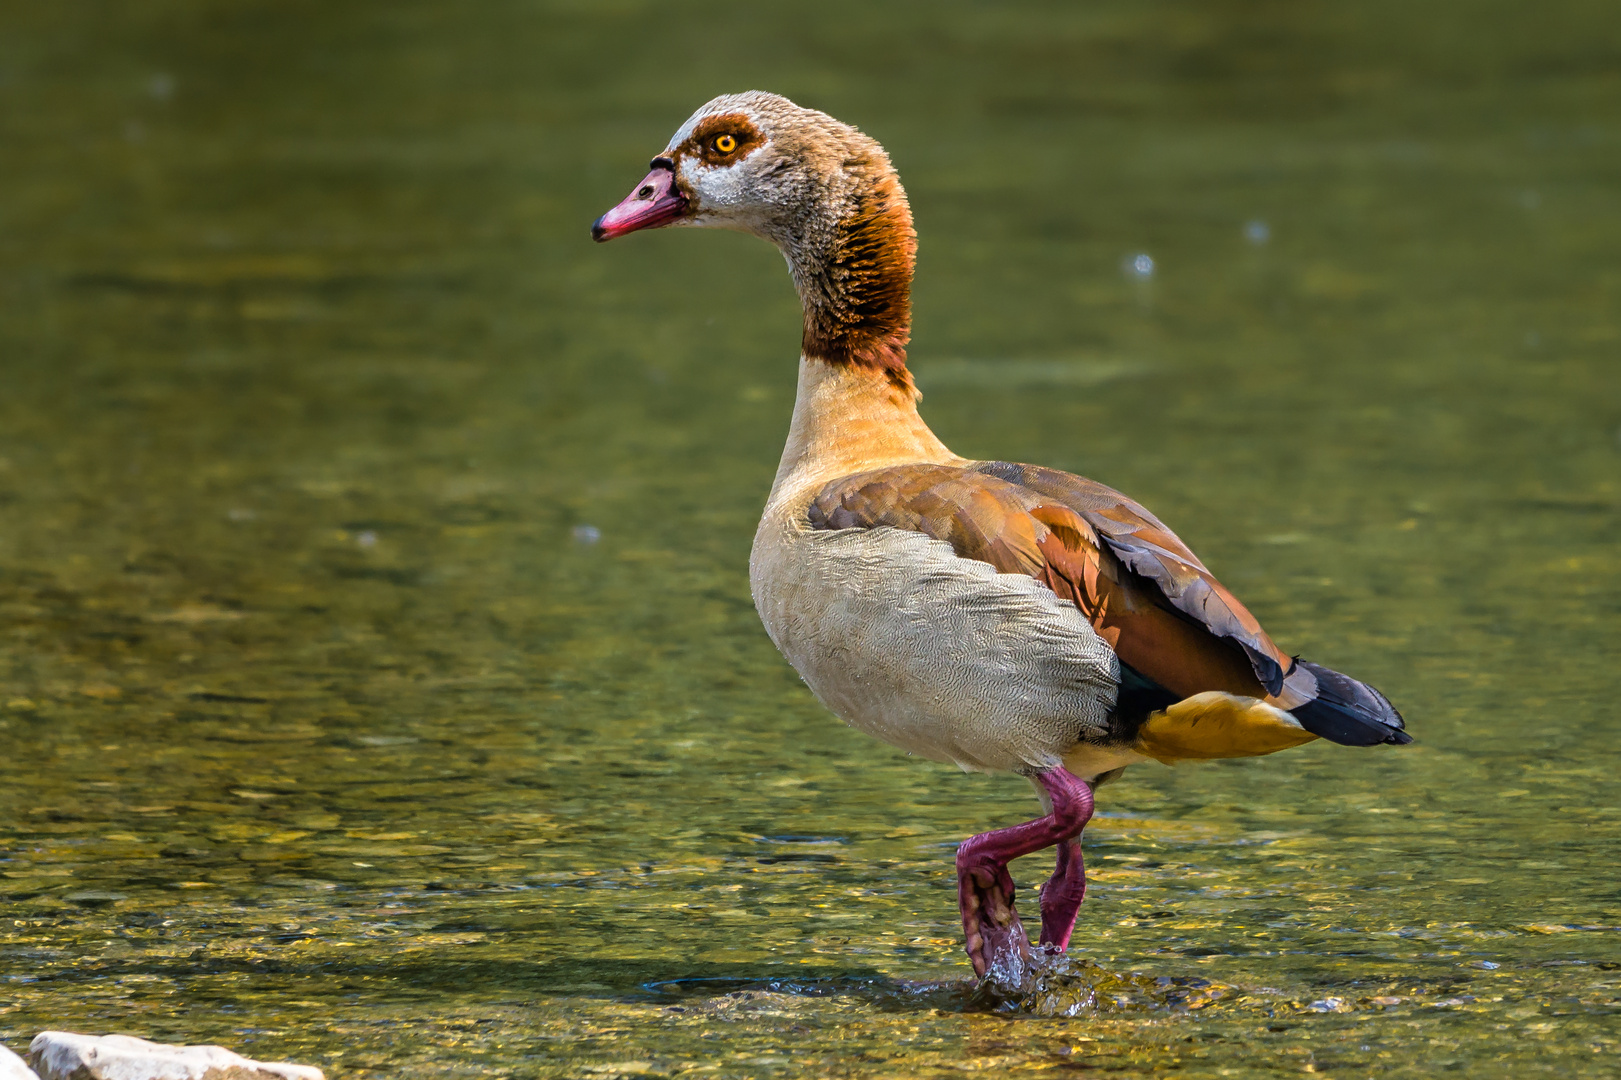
{"x": 64, "y": 1055}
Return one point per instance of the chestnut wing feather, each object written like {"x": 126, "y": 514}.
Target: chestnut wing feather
{"x": 1153, "y": 551}
{"x": 1020, "y": 530}
{"x": 980, "y": 517}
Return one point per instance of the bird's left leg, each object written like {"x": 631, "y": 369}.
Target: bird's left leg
{"x": 995, "y": 939}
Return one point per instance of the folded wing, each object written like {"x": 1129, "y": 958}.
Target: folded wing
{"x": 1177, "y": 631}
{"x": 1148, "y": 548}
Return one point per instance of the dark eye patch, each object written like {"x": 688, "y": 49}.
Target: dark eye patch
{"x": 707, "y": 138}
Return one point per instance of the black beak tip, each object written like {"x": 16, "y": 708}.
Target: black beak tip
{"x": 598, "y": 233}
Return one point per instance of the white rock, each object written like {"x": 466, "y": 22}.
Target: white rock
{"x": 64, "y": 1055}
{"x": 13, "y": 1067}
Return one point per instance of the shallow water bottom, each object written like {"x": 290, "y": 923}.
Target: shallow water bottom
{"x": 479, "y": 978}
{"x": 379, "y": 682}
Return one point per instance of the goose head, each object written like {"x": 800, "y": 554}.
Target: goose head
{"x": 820, "y": 190}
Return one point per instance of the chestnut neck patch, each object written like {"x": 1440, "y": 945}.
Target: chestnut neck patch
{"x": 858, "y": 301}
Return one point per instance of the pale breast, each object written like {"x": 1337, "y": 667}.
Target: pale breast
{"x": 938, "y": 655}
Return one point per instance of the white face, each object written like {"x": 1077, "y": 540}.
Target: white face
{"x": 728, "y": 166}
{"x": 726, "y": 196}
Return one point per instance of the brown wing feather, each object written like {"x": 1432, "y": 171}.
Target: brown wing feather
{"x": 981, "y": 517}
{"x": 1148, "y": 548}
{"x": 1126, "y": 610}
{"x": 1021, "y": 531}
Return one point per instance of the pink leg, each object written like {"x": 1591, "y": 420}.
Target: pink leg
{"x": 1062, "y": 895}
{"x": 994, "y": 936}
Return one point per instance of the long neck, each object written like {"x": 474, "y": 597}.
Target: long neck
{"x": 852, "y": 262}
{"x": 849, "y": 418}
{"x": 852, "y": 257}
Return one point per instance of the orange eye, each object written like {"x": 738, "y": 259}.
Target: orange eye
{"x": 725, "y": 144}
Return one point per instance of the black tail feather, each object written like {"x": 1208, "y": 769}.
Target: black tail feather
{"x": 1348, "y": 712}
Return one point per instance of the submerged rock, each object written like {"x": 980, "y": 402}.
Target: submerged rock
{"x": 13, "y": 1067}
{"x": 64, "y": 1055}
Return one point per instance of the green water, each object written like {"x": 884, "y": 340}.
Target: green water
{"x": 328, "y": 734}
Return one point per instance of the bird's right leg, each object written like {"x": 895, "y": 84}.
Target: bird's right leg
{"x": 1062, "y": 895}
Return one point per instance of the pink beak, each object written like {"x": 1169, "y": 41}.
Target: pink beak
{"x": 655, "y": 202}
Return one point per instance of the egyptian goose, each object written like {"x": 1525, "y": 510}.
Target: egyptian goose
{"x": 1005, "y": 617}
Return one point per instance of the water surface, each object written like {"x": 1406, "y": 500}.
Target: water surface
{"x": 380, "y": 683}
